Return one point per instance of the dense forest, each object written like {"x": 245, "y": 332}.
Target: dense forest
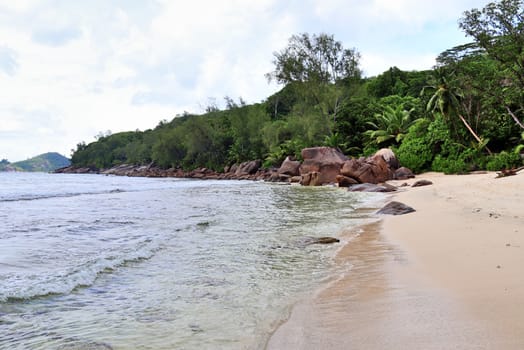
{"x": 465, "y": 114}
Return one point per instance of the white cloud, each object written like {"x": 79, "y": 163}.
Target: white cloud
{"x": 8, "y": 61}
{"x": 407, "y": 12}
{"x": 18, "y": 5}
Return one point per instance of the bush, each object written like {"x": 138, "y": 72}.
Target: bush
{"x": 415, "y": 154}
{"x": 449, "y": 165}
{"x": 415, "y": 151}
{"x": 504, "y": 160}
{"x": 429, "y": 145}
{"x": 456, "y": 159}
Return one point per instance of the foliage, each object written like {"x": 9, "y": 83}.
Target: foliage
{"x": 281, "y": 103}
{"x": 429, "y": 146}
{"x": 449, "y": 155}
{"x": 390, "y": 126}
{"x": 107, "y": 151}
{"x": 450, "y": 101}
{"x": 319, "y": 70}
{"x": 498, "y": 29}
{"x": 352, "y": 120}
{"x": 244, "y": 130}
{"x": 449, "y": 165}
{"x": 415, "y": 152}
{"x": 288, "y": 137}
{"x": 397, "y": 82}
{"x": 169, "y": 150}
{"x": 445, "y": 98}
{"x": 278, "y": 153}
{"x": 505, "y": 160}
{"x": 335, "y": 140}
{"x": 317, "y": 58}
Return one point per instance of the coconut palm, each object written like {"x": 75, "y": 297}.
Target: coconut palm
{"x": 446, "y": 101}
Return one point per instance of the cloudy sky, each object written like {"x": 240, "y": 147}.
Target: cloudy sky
{"x": 71, "y": 69}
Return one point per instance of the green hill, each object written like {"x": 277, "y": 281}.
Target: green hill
{"x": 44, "y": 162}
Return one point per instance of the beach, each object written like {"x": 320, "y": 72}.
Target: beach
{"x": 447, "y": 276}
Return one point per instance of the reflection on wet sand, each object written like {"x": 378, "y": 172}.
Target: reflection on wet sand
{"x": 379, "y": 304}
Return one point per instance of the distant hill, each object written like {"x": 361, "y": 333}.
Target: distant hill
{"x": 45, "y": 162}
{"x": 6, "y": 166}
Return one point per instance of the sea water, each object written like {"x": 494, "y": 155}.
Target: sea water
{"x": 103, "y": 262}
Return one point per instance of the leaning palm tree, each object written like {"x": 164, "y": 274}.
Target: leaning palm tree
{"x": 390, "y": 126}
{"x": 446, "y": 101}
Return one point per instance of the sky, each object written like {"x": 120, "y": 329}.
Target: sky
{"x": 71, "y": 69}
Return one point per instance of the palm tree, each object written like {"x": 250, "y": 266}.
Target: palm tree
{"x": 446, "y": 100}
{"x": 391, "y": 125}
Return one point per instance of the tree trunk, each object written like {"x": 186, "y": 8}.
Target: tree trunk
{"x": 473, "y": 132}
{"x": 514, "y": 117}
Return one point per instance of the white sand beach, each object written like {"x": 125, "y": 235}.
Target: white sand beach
{"x": 448, "y": 276}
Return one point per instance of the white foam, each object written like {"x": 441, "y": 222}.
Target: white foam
{"x": 16, "y": 285}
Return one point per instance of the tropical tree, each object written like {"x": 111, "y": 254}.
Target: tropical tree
{"x": 499, "y": 30}
{"x": 244, "y": 127}
{"x": 479, "y": 79}
{"x": 446, "y": 100}
{"x": 318, "y": 67}
{"x": 317, "y": 58}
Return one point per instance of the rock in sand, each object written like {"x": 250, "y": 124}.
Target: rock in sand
{"x": 420, "y": 183}
{"x": 395, "y": 208}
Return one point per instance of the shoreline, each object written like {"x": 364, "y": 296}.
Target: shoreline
{"x": 446, "y": 276}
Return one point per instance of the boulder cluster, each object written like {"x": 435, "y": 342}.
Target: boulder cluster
{"x": 320, "y": 166}
{"x": 325, "y": 165}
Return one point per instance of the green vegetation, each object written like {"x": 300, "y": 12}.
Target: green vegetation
{"x": 465, "y": 114}
{"x": 45, "y": 163}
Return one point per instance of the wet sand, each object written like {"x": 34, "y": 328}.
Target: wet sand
{"x": 448, "y": 276}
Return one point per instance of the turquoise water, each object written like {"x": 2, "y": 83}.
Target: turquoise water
{"x": 99, "y": 262}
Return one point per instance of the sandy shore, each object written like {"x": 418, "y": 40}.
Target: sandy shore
{"x": 449, "y": 276}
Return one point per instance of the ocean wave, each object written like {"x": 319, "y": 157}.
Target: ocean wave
{"x": 25, "y": 287}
